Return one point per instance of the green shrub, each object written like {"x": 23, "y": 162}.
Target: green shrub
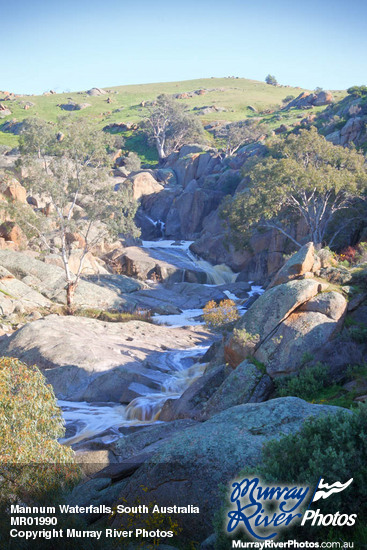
{"x": 132, "y": 162}
{"x": 270, "y": 79}
{"x": 287, "y": 99}
{"x": 307, "y": 384}
{"x": 219, "y": 317}
{"x": 357, "y": 91}
{"x": 32, "y": 461}
{"x": 333, "y": 447}
{"x": 358, "y": 333}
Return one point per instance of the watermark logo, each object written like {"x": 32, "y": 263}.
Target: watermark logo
{"x": 263, "y": 510}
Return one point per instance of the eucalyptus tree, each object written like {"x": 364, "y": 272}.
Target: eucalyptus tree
{"x": 304, "y": 177}
{"x": 170, "y": 126}
{"x": 68, "y": 165}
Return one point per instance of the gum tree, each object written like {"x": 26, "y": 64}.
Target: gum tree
{"x": 67, "y": 165}
{"x": 303, "y": 177}
{"x": 169, "y": 126}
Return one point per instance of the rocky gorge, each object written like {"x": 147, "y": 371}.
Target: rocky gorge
{"x": 160, "y": 405}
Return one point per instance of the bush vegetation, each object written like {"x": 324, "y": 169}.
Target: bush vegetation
{"x": 307, "y": 384}
{"x": 335, "y": 448}
{"x": 32, "y": 461}
{"x": 219, "y": 317}
{"x": 270, "y": 79}
{"x": 357, "y": 91}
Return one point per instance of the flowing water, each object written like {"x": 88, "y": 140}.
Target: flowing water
{"x": 88, "y": 420}
{"x": 176, "y": 369}
{"x": 179, "y": 254}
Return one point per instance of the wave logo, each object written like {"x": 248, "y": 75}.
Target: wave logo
{"x": 323, "y": 490}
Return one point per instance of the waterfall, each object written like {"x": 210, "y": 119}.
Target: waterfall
{"x": 89, "y": 420}
{"x": 179, "y": 253}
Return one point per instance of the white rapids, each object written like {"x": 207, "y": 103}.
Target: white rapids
{"x": 176, "y": 369}
{"x": 89, "y": 420}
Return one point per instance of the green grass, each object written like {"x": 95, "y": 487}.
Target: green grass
{"x": 235, "y": 95}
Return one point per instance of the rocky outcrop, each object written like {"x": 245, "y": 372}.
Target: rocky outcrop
{"x": 264, "y": 316}
{"x": 96, "y": 92}
{"x": 288, "y": 320}
{"x": 186, "y": 215}
{"x": 351, "y": 132}
{"x": 199, "y": 459}
{"x": 296, "y": 314}
{"x": 13, "y": 190}
{"x": 145, "y": 264}
{"x": 12, "y": 126}
{"x": 13, "y": 235}
{"x": 16, "y": 296}
{"x": 301, "y": 263}
{"x": 144, "y": 183}
{"x": 49, "y": 280}
{"x": 89, "y": 360}
{"x": 91, "y": 264}
{"x": 245, "y": 384}
{"x": 309, "y": 99}
{"x": 307, "y": 329}
{"x": 193, "y": 162}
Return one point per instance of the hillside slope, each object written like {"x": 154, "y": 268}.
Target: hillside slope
{"x": 228, "y": 99}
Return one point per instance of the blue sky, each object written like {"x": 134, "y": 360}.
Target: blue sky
{"x": 74, "y": 45}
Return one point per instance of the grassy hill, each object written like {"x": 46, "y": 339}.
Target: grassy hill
{"x": 234, "y": 95}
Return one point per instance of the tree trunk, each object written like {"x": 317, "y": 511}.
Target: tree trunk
{"x": 70, "y": 291}
{"x": 160, "y": 150}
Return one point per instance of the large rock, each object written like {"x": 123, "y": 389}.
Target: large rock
{"x": 192, "y": 401}
{"x": 246, "y": 384}
{"x": 352, "y": 131}
{"x": 323, "y": 98}
{"x": 306, "y": 330}
{"x": 159, "y": 265}
{"x": 96, "y": 92}
{"x": 211, "y": 245}
{"x": 308, "y": 99}
{"x": 300, "y": 263}
{"x": 148, "y": 438}
{"x": 91, "y": 264}
{"x": 144, "y": 183}
{"x": 49, "y": 280}
{"x": 264, "y": 316}
{"x": 89, "y": 360}
{"x": 17, "y": 296}
{"x": 157, "y": 205}
{"x": 13, "y": 190}
{"x": 174, "y": 298}
{"x": 189, "y": 210}
{"x": 12, "y": 233}
{"x": 198, "y": 460}
{"x": 332, "y": 304}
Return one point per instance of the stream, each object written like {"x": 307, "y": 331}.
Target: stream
{"x": 176, "y": 369}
